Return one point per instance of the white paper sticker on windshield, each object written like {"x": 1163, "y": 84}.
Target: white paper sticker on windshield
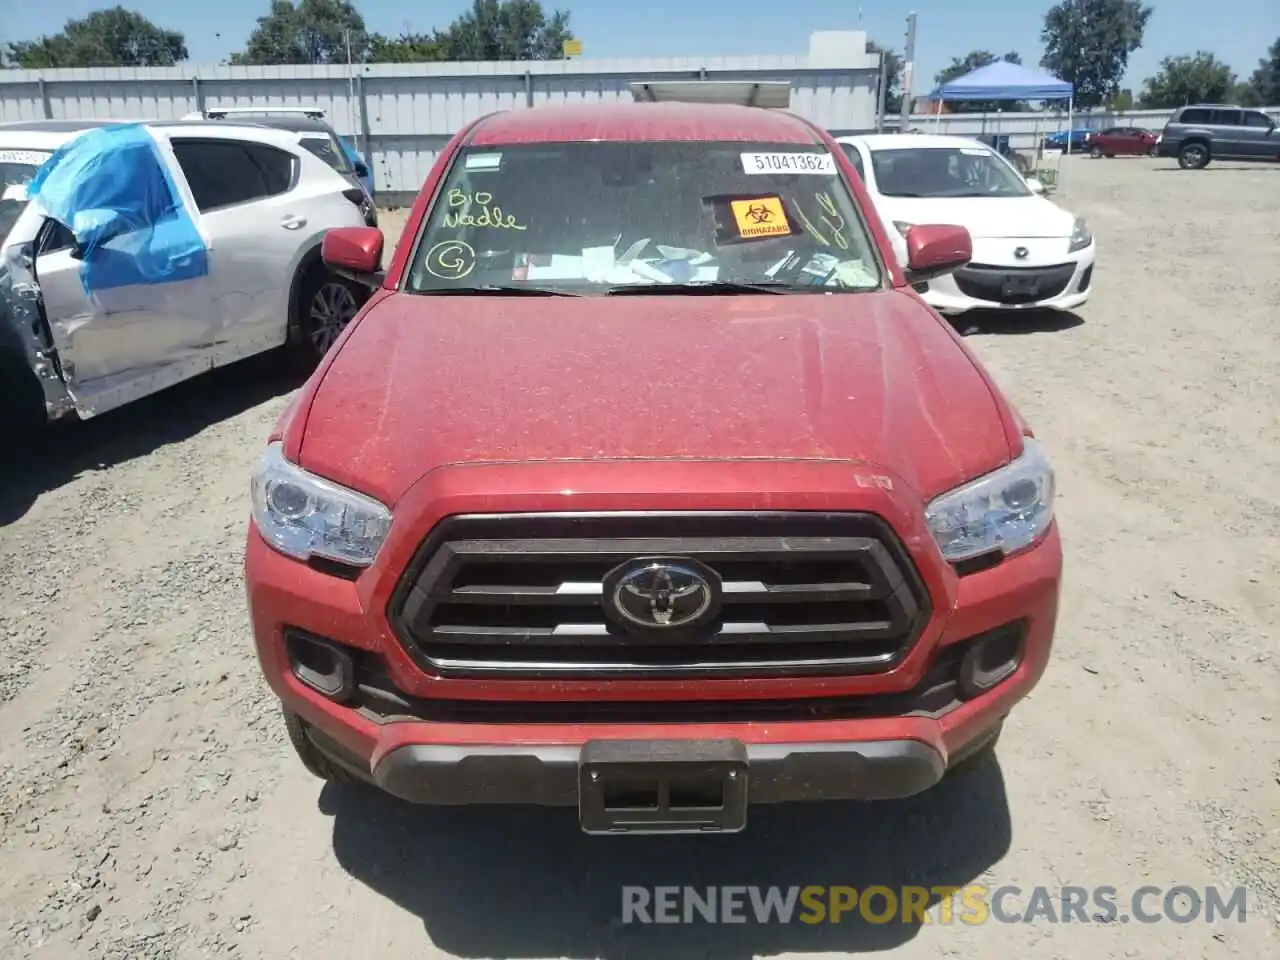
{"x": 484, "y": 161}
{"x": 766, "y": 163}
{"x": 33, "y": 157}
{"x": 975, "y": 151}
{"x": 15, "y": 191}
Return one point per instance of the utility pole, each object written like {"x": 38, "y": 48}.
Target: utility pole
{"x": 882, "y": 92}
{"x": 351, "y": 87}
{"x": 908, "y": 68}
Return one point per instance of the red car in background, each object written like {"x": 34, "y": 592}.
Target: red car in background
{"x": 1121, "y": 142}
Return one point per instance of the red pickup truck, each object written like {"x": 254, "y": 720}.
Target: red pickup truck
{"x": 645, "y": 483}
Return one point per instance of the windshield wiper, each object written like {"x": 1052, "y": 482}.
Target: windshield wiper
{"x": 707, "y": 287}
{"x": 499, "y": 290}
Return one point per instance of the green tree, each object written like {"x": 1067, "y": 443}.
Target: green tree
{"x": 1264, "y": 86}
{"x": 1199, "y": 78}
{"x": 1245, "y": 95}
{"x": 1088, "y": 43}
{"x": 306, "y": 31}
{"x": 893, "y": 77}
{"x": 114, "y": 37}
{"x": 409, "y": 47}
{"x": 961, "y": 66}
{"x": 1121, "y": 101}
{"x": 505, "y": 30}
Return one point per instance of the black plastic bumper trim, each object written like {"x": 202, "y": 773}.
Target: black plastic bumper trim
{"x": 548, "y": 775}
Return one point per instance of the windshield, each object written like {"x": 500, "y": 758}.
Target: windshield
{"x": 598, "y": 217}
{"x": 17, "y": 167}
{"x": 945, "y": 172}
{"x": 327, "y": 149}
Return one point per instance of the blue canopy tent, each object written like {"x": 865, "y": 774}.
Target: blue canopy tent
{"x": 1005, "y": 81}
{"x": 1009, "y": 81}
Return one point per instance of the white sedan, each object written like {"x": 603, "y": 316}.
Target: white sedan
{"x": 1028, "y": 253}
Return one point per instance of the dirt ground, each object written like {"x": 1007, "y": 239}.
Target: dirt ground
{"x": 150, "y": 806}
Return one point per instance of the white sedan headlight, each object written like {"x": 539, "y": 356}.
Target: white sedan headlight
{"x": 305, "y": 516}
{"x": 1005, "y": 510}
{"x": 1080, "y": 236}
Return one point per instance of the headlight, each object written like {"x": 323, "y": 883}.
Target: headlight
{"x": 1005, "y": 510}
{"x": 305, "y": 516}
{"x": 1080, "y": 236}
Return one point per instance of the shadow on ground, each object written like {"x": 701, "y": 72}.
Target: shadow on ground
{"x": 67, "y": 449}
{"x": 991, "y": 322}
{"x": 523, "y": 882}
{"x": 1223, "y": 166}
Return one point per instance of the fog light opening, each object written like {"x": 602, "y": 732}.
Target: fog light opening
{"x": 321, "y": 665}
{"x": 990, "y": 660}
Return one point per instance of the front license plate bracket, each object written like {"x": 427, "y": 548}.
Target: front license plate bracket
{"x": 662, "y": 786}
{"x": 1016, "y": 286}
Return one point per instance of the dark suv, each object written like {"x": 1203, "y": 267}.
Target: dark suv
{"x": 1213, "y": 131}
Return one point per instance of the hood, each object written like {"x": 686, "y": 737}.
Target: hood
{"x": 425, "y": 382}
{"x": 985, "y": 217}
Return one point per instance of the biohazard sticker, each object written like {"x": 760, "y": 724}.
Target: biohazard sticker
{"x": 760, "y": 217}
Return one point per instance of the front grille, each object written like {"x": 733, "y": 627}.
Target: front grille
{"x": 522, "y": 596}
{"x": 1013, "y": 285}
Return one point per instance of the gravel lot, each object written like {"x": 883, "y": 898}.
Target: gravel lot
{"x": 150, "y": 806}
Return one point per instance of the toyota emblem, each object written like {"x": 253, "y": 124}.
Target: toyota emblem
{"x": 1021, "y": 252}
{"x": 657, "y": 594}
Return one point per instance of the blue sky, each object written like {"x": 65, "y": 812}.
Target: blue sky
{"x": 1238, "y": 31}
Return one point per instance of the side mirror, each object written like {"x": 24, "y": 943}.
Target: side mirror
{"x": 1035, "y": 186}
{"x": 355, "y": 253}
{"x": 361, "y": 168}
{"x": 936, "y": 249}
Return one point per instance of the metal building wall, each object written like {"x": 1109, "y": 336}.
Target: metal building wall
{"x": 402, "y": 114}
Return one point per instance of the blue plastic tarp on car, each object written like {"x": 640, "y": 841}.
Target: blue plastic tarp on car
{"x": 111, "y": 188}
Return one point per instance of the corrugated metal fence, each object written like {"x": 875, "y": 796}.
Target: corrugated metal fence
{"x": 402, "y": 114}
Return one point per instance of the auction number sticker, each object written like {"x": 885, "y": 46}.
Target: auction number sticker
{"x": 32, "y": 157}
{"x": 765, "y": 163}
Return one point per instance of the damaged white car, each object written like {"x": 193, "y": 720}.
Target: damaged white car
{"x": 134, "y": 256}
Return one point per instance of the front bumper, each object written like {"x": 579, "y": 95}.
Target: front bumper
{"x": 549, "y": 774}
{"x": 952, "y": 295}
{"x": 442, "y": 741}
